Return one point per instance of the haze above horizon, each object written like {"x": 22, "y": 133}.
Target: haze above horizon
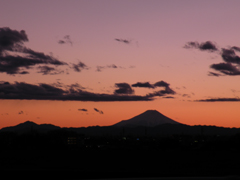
{"x": 86, "y": 63}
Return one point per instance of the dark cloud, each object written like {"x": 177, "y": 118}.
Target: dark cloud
{"x": 143, "y": 84}
{"x": 230, "y": 67}
{"x": 219, "y": 100}
{"x": 82, "y": 110}
{"x": 229, "y": 55}
{"x": 66, "y": 40}
{"x": 205, "y": 46}
{"x": 123, "y": 41}
{"x": 164, "y": 92}
{"x": 9, "y": 39}
{"x": 235, "y": 48}
{"x": 15, "y": 58}
{"x": 49, "y": 92}
{"x": 46, "y": 70}
{"x": 21, "y": 112}
{"x": 169, "y": 97}
{"x": 226, "y": 68}
{"x": 101, "y": 112}
{"x": 161, "y": 84}
{"x": 79, "y": 67}
{"x": 123, "y": 88}
{"x": 148, "y": 85}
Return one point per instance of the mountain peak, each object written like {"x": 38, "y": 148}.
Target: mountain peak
{"x": 149, "y": 118}
{"x": 28, "y": 123}
{"x": 151, "y": 112}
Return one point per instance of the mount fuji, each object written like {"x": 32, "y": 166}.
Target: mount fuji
{"x": 149, "y": 118}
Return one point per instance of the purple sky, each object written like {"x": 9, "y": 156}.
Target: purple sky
{"x": 107, "y": 46}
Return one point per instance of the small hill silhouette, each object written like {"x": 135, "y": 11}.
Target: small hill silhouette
{"x": 29, "y": 126}
{"x": 149, "y": 118}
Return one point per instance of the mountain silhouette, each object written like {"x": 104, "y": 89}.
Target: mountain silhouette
{"x": 29, "y": 126}
{"x": 149, "y": 118}
{"x": 151, "y": 123}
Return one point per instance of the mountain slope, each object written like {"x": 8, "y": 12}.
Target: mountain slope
{"x": 149, "y": 118}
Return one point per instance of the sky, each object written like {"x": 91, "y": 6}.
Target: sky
{"x": 81, "y": 63}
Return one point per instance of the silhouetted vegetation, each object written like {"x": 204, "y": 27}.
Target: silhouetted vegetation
{"x": 68, "y": 151}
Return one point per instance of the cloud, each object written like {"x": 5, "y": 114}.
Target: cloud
{"x": 205, "y": 46}
{"x": 164, "y": 92}
{"x": 82, "y": 110}
{"x": 167, "y": 89}
{"x": 229, "y": 55}
{"x": 101, "y": 112}
{"x": 143, "y": 84}
{"x": 214, "y": 74}
{"x": 22, "y": 90}
{"x": 79, "y": 67}
{"x": 148, "y": 85}
{"x": 123, "y": 40}
{"x": 219, "y": 100}
{"x": 100, "y": 68}
{"x": 112, "y": 66}
{"x": 66, "y": 40}
{"x": 15, "y": 58}
{"x": 231, "y": 65}
{"x": 21, "y": 112}
{"x": 46, "y": 70}
{"x": 226, "y": 68}
{"x": 236, "y": 48}
{"x": 9, "y": 39}
{"x": 123, "y": 88}
{"x": 161, "y": 84}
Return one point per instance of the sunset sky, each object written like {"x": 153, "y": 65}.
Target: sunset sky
{"x": 96, "y": 62}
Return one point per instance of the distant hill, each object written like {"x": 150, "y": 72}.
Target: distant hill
{"x": 149, "y": 118}
{"x": 29, "y": 126}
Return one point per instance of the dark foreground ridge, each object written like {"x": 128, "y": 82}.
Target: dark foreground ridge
{"x": 167, "y": 150}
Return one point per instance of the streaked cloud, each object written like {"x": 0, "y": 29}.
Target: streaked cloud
{"x": 219, "y": 100}
{"x": 97, "y": 110}
{"x": 123, "y": 40}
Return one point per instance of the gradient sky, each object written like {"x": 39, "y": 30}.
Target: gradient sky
{"x": 85, "y": 63}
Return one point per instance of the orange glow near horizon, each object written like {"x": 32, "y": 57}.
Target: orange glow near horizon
{"x": 66, "y": 113}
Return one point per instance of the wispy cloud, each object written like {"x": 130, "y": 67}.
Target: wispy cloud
{"x": 66, "y": 40}
{"x": 123, "y": 40}
{"x": 100, "y": 68}
{"x": 79, "y": 66}
{"x": 47, "y": 70}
